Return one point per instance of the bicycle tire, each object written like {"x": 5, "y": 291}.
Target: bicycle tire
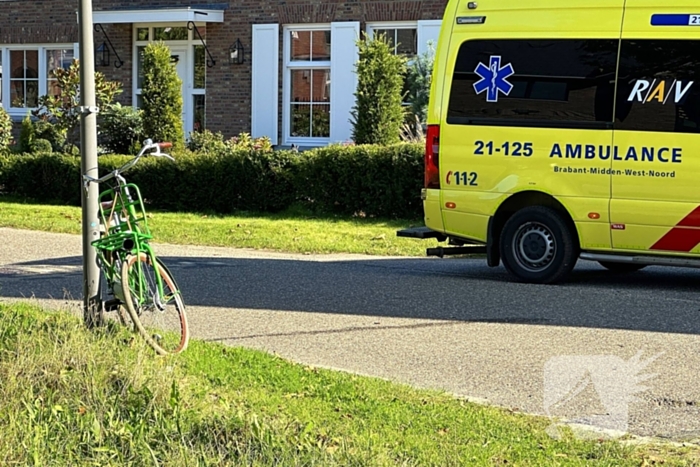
{"x": 171, "y": 322}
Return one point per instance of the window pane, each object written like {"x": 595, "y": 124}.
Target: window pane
{"x": 32, "y": 93}
{"x": 658, "y": 89}
{"x": 301, "y": 85}
{"x": 321, "y": 82}
{"x": 142, "y": 34}
{"x": 321, "y": 45}
{"x": 199, "y": 112}
{"x": 17, "y": 93}
{"x": 170, "y": 34}
{"x": 300, "y": 45}
{"x": 321, "y": 121}
{"x": 32, "y": 68}
{"x": 199, "y": 67}
{"x": 1, "y": 78}
{"x": 407, "y": 42}
{"x": 17, "y": 63}
{"x": 301, "y": 120}
{"x": 535, "y": 80}
{"x": 390, "y": 35}
{"x": 56, "y": 59}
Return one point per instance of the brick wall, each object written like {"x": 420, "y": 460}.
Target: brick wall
{"x": 228, "y": 101}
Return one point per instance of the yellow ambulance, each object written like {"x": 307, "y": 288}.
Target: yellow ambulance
{"x": 561, "y": 130}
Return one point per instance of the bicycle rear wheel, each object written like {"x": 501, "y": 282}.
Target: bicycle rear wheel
{"x": 160, "y": 320}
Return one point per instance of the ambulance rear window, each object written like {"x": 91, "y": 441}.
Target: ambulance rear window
{"x": 541, "y": 83}
{"x": 659, "y": 86}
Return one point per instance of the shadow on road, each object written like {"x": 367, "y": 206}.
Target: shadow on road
{"x": 656, "y": 299}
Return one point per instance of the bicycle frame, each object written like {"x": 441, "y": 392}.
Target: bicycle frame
{"x": 123, "y": 215}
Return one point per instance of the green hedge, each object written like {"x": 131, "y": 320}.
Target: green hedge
{"x": 374, "y": 180}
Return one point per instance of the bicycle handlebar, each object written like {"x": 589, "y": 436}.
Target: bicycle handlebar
{"x": 147, "y": 146}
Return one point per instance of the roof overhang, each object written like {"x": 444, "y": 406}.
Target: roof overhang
{"x": 164, "y": 15}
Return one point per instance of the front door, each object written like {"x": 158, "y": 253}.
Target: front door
{"x": 180, "y": 55}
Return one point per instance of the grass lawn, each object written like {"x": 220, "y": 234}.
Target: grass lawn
{"x": 73, "y": 397}
{"x": 294, "y": 232}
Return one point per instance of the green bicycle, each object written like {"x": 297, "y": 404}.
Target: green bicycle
{"x": 136, "y": 278}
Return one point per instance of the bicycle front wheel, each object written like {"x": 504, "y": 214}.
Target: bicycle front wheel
{"x": 161, "y": 320}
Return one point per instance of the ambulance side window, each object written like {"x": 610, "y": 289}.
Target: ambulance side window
{"x": 659, "y": 86}
{"x": 538, "y": 83}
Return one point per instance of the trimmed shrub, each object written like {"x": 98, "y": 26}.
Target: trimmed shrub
{"x": 364, "y": 180}
{"x": 120, "y": 128}
{"x": 41, "y": 145}
{"x": 162, "y": 96}
{"x": 378, "y": 113}
{"x": 51, "y": 133}
{"x": 352, "y": 180}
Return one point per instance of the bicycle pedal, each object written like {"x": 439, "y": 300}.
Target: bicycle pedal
{"x": 112, "y": 305}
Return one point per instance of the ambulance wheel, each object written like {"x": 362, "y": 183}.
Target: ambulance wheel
{"x": 538, "y": 246}
{"x": 621, "y": 267}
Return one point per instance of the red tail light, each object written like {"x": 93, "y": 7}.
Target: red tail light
{"x": 432, "y": 159}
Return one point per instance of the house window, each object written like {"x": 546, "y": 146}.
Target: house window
{"x": 403, "y": 37}
{"x": 28, "y": 74}
{"x": 308, "y": 80}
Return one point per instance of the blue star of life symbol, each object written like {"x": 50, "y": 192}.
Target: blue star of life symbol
{"x": 494, "y": 79}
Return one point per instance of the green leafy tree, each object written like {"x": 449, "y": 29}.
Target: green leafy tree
{"x": 162, "y": 96}
{"x": 62, "y": 110}
{"x": 378, "y": 114}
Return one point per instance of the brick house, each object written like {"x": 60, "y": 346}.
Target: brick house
{"x": 295, "y": 83}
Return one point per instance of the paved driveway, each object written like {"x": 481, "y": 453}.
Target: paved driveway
{"x": 451, "y": 324}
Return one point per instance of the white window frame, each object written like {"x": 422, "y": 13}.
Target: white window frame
{"x": 41, "y": 49}
{"x": 372, "y": 27}
{"x": 290, "y": 65}
{"x": 189, "y": 90}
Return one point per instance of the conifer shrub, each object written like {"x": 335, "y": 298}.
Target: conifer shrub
{"x": 26, "y": 134}
{"x": 162, "y": 96}
{"x": 378, "y": 114}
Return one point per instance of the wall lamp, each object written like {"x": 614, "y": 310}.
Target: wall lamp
{"x": 102, "y": 52}
{"x": 236, "y": 53}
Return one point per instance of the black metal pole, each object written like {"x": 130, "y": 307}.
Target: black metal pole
{"x": 92, "y": 300}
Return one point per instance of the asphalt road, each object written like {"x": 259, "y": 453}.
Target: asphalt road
{"x": 452, "y": 324}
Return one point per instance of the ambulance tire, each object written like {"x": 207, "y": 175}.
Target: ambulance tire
{"x": 621, "y": 267}
{"x": 538, "y": 246}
